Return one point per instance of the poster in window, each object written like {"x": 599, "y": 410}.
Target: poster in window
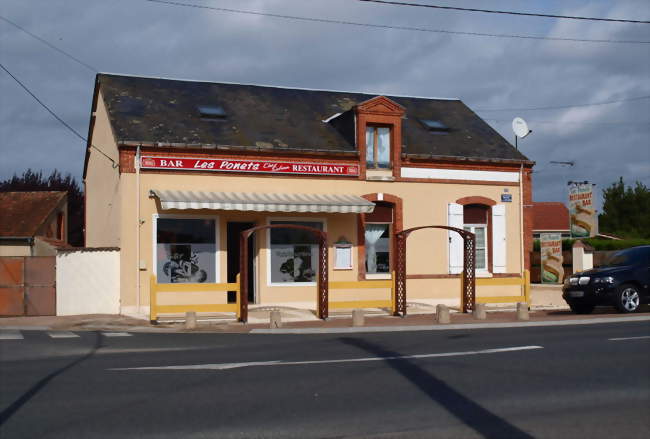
{"x": 186, "y": 263}
{"x": 293, "y": 263}
{"x": 551, "y": 258}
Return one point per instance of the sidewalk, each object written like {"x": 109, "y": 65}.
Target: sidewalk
{"x": 291, "y": 320}
{"x": 547, "y": 306}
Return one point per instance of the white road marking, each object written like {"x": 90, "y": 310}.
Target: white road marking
{"x": 116, "y": 334}
{"x": 10, "y": 334}
{"x": 224, "y": 366}
{"x": 452, "y": 327}
{"x": 62, "y": 334}
{"x": 629, "y": 338}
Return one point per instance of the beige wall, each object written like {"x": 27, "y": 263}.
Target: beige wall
{"x": 103, "y": 198}
{"x": 424, "y": 204}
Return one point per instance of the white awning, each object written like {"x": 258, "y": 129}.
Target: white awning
{"x": 259, "y": 202}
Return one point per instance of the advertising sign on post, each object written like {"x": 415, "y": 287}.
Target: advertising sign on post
{"x": 581, "y": 210}
{"x": 551, "y": 252}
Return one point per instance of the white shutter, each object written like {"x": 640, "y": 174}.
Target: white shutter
{"x": 455, "y": 219}
{"x": 499, "y": 238}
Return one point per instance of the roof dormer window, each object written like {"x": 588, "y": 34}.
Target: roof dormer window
{"x": 377, "y": 147}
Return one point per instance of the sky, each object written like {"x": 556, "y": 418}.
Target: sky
{"x": 499, "y": 78}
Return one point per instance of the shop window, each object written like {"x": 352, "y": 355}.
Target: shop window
{"x": 378, "y": 231}
{"x": 294, "y": 253}
{"x": 186, "y": 250}
{"x": 377, "y": 147}
{"x": 377, "y": 248}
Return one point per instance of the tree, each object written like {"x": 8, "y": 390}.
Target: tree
{"x": 34, "y": 181}
{"x": 626, "y": 211}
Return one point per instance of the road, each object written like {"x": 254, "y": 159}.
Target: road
{"x": 542, "y": 382}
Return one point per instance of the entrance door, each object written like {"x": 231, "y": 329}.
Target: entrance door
{"x": 234, "y": 230}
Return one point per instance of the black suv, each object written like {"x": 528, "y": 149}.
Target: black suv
{"x": 623, "y": 282}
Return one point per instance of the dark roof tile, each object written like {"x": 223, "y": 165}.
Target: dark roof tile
{"x": 154, "y": 110}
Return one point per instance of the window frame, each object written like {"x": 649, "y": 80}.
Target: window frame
{"x": 487, "y": 244}
{"x": 217, "y": 243}
{"x": 269, "y": 221}
{"x": 375, "y": 127}
{"x": 388, "y": 275}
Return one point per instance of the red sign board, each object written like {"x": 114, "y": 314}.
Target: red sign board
{"x": 256, "y": 166}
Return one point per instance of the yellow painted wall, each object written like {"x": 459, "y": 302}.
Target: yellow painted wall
{"x": 424, "y": 204}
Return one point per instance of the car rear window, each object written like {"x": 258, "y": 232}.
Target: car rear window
{"x": 631, "y": 256}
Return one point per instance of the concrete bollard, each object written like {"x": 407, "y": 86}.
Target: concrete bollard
{"x": 479, "y": 311}
{"x": 275, "y": 319}
{"x": 442, "y": 314}
{"x": 357, "y": 317}
{"x": 522, "y": 311}
{"x": 190, "y": 320}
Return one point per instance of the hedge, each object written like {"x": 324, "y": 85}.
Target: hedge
{"x": 600, "y": 244}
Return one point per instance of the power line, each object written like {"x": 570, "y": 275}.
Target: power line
{"x": 50, "y": 45}
{"x": 568, "y": 122}
{"x": 491, "y": 11}
{"x": 63, "y": 122}
{"x": 557, "y": 107}
{"x": 385, "y": 26}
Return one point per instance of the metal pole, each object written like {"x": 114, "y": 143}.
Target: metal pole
{"x": 522, "y": 236}
{"x": 137, "y": 231}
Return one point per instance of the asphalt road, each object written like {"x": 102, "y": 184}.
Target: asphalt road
{"x": 545, "y": 382}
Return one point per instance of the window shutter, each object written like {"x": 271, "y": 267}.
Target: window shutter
{"x": 499, "y": 238}
{"x": 455, "y": 219}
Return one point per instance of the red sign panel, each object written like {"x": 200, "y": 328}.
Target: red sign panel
{"x": 257, "y": 166}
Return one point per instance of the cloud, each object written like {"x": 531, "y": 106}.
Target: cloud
{"x": 137, "y": 37}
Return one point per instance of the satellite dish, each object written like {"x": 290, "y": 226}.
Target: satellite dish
{"x": 520, "y": 127}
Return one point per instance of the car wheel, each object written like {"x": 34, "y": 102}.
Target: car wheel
{"x": 627, "y": 298}
{"x": 581, "y": 308}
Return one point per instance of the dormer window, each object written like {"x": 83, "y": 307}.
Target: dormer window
{"x": 377, "y": 147}
{"x": 378, "y": 130}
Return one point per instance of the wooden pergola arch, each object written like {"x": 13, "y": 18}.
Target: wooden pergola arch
{"x": 322, "y": 280}
{"x": 468, "y": 288}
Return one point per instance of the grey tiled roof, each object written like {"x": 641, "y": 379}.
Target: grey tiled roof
{"x": 155, "y": 110}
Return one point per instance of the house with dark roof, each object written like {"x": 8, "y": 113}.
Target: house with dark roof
{"x": 33, "y": 223}
{"x": 176, "y": 169}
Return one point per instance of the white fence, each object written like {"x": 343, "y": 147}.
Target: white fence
{"x": 88, "y": 281}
